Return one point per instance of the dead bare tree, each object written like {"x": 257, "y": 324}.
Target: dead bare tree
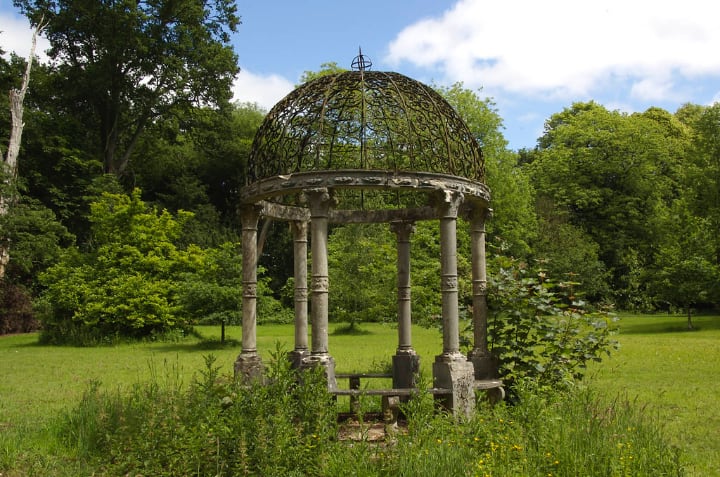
{"x": 9, "y": 172}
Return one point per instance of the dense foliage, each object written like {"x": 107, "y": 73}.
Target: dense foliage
{"x": 136, "y": 281}
{"x": 122, "y": 65}
{"x": 543, "y": 329}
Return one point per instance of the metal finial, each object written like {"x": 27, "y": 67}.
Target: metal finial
{"x": 361, "y": 62}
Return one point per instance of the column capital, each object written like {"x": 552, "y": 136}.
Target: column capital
{"x": 448, "y": 203}
{"x": 249, "y": 215}
{"x": 320, "y": 199}
{"x": 403, "y": 229}
{"x": 299, "y": 229}
{"x": 477, "y": 215}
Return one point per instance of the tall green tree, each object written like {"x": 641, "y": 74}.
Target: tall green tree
{"x": 199, "y": 163}
{"x": 686, "y": 272}
{"x": 609, "y": 173}
{"x": 701, "y": 183}
{"x": 123, "y": 64}
{"x": 514, "y": 218}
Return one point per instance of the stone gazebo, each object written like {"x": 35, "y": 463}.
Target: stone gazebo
{"x": 367, "y": 147}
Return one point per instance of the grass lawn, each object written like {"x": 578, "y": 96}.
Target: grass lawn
{"x": 660, "y": 364}
{"x": 36, "y": 380}
{"x": 675, "y": 372}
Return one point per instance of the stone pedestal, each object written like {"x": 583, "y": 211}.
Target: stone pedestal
{"x": 327, "y": 363}
{"x": 248, "y": 367}
{"x": 485, "y": 364}
{"x": 405, "y": 368}
{"x": 297, "y": 357}
{"x": 457, "y": 374}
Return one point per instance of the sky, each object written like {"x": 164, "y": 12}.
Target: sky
{"x": 532, "y": 58}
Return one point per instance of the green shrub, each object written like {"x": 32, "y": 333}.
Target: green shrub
{"x": 136, "y": 282}
{"x": 542, "y": 329}
{"x": 126, "y": 284}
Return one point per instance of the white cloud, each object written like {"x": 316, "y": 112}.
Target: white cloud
{"x": 654, "y": 88}
{"x": 265, "y": 90}
{"x": 16, "y": 36}
{"x": 566, "y": 47}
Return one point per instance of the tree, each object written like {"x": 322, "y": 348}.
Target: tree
{"x": 567, "y": 252}
{"x": 514, "y": 218}
{"x": 123, "y": 64}
{"x": 609, "y": 174}
{"x": 686, "y": 272}
{"x": 128, "y": 284}
{"x": 702, "y": 171}
{"x": 329, "y": 68}
{"x": 363, "y": 254}
{"x": 199, "y": 165}
{"x": 8, "y": 174}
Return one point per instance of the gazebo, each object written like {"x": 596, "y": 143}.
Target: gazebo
{"x": 366, "y": 146}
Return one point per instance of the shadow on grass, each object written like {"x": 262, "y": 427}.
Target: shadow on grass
{"x": 203, "y": 345}
{"x": 350, "y": 329}
{"x": 192, "y": 343}
{"x": 651, "y": 324}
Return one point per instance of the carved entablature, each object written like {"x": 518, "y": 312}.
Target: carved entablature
{"x": 273, "y": 187}
{"x": 270, "y": 192}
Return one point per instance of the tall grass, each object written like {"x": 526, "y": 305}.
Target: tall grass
{"x": 287, "y": 427}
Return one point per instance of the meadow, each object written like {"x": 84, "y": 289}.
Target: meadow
{"x": 668, "y": 372}
{"x": 674, "y": 372}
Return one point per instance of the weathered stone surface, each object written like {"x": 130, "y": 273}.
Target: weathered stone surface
{"x": 456, "y": 374}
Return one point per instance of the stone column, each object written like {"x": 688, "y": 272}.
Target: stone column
{"x": 248, "y": 365}
{"x": 406, "y": 362}
{"x": 483, "y": 362}
{"x": 300, "y": 241}
{"x": 320, "y": 201}
{"x": 451, "y": 369}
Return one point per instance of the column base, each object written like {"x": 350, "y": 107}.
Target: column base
{"x": 248, "y": 367}
{"x": 326, "y": 362}
{"x": 297, "y": 356}
{"x": 455, "y": 373}
{"x": 405, "y": 368}
{"x": 485, "y": 364}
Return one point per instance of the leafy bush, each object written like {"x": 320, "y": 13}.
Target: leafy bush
{"x": 126, "y": 285}
{"x": 542, "y": 329}
{"x": 135, "y": 281}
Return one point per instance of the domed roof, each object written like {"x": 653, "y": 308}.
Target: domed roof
{"x": 364, "y": 120}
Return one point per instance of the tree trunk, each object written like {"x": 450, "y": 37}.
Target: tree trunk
{"x": 689, "y": 318}
{"x": 7, "y": 195}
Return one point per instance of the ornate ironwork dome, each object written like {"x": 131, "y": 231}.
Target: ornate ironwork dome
{"x": 364, "y": 120}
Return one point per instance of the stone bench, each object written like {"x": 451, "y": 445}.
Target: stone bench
{"x": 391, "y": 396}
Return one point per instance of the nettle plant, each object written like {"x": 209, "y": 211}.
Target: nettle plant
{"x": 541, "y": 329}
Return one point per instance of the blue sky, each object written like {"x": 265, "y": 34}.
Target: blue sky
{"x": 532, "y": 58}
